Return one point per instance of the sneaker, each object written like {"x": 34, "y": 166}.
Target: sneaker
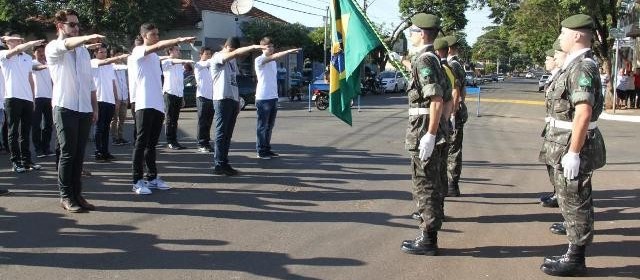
{"x": 226, "y": 170}
{"x": 109, "y": 157}
{"x": 272, "y": 154}
{"x": 140, "y": 188}
{"x": 18, "y": 168}
{"x": 100, "y": 157}
{"x": 204, "y": 150}
{"x": 158, "y": 183}
{"x": 263, "y": 156}
{"x": 32, "y": 166}
{"x": 4, "y": 192}
{"x": 175, "y": 146}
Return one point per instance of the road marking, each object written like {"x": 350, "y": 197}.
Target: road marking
{"x": 514, "y": 101}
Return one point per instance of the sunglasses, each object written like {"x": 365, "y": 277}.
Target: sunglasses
{"x": 72, "y": 24}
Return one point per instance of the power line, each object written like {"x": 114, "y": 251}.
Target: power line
{"x": 303, "y": 4}
{"x": 289, "y": 8}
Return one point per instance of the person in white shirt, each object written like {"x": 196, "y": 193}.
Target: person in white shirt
{"x": 16, "y": 68}
{"x": 204, "y": 100}
{"x": 267, "y": 96}
{"x": 149, "y": 107}
{"x": 132, "y": 72}
{"x": 117, "y": 124}
{"x": 226, "y": 101}
{"x": 43, "y": 112}
{"x": 108, "y": 99}
{"x": 173, "y": 88}
{"x": 3, "y": 191}
{"x": 74, "y": 102}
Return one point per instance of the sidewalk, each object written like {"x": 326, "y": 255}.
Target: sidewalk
{"x": 624, "y": 115}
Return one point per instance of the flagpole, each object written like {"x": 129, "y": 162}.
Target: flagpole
{"x": 394, "y": 63}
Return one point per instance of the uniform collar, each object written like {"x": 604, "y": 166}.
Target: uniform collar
{"x": 572, "y": 57}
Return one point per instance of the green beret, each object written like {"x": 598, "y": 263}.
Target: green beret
{"x": 550, "y": 53}
{"x": 556, "y": 46}
{"x": 426, "y": 21}
{"x": 452, "y": 40}
{"x": 579, "y": 21}
{"x": 440, "y": 43}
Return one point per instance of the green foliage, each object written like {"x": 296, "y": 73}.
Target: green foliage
{"x": 451, "y": 11}
{"x": 285, "y": 35}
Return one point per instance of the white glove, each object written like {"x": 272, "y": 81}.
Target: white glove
{"x": 427, "y": 142}
{"x": 395, "y": 56}
{"x": 452, "y": 119}
{"x": 571, "y": 164}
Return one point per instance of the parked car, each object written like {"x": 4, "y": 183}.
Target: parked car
{"x": 487, "y": 78}
{"x": 529, "y": 75}
{"x": 500, "y": 78}
{"x": 542, "y": 81}
{"x": 470, "y": 79}
{"x": 393, "y": 81}
{"x": 246, "y": 90}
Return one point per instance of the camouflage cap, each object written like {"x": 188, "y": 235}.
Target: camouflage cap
{"x": 550, "y": 52}
{"x": 452, "y": 40}
{"x": 440, "y": 43}
{"x": 426, "y": 21}
{"x": 556, "y": 46}
{"x": 579, "y": 21}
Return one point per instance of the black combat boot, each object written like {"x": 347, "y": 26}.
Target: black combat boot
{"x": 551, "y": 202}
{"x": 425, "y": 244}
{"x": 572, "y": 263}
{"x": 558, "y": 228}
{"x": 453, "y": 190}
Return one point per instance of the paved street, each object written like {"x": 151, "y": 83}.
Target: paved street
{"x": 336, "y": 205}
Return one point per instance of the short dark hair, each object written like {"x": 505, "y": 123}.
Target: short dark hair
{"x": 146, "y": 27}
{"x": 431, "y": 32}
{"x": 61, "y": 16}
{"x": 265, "y": 41}
{"x": 232, "y": 42}
{"x": 138, "y": 41}
{"x": 39, "y": 47}
{"x": 204, "y": 49}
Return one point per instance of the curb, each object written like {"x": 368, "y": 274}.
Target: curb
{"x": 620, "y": 118}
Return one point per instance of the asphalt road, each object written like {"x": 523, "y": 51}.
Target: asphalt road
{"x": 334, "y": 206}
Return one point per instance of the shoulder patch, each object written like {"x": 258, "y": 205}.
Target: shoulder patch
{"x": 425, "y": 71}
{"x": 583, "y": 81}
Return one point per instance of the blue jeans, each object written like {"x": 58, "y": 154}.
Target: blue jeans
{"x": 226, "y": 113}
{"x": 266, "y": 110}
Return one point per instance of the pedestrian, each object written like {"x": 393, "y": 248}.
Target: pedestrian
{"x": 74, "y": 102}
{"x": 635, "y": 100}
{"x": 120, "y": 115}
{"x": 149, "y": 107}
{"x": 43, "y": 112}
{"x": 226, "y": 101}
{"x": 267, "y": 96}
{"x": 622, "y": 82}
{"x": 173, "y": 88}
{"x": 204, "y": 100}
{"x": 282, "y": 76}
{"x": 108, "y": 99}
{"x": 574, "y": 145}
{"x": 16, "y": 68}
{"x": 425, "y": 109}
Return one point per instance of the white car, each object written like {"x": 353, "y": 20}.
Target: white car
{"x": 542, "y": 81}
{"x": 393, "y": 81}
{"x": 529, "y": 75}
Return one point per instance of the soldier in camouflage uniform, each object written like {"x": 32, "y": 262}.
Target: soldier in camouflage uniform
{"x": 424, "y": 132}
{"x": 457, "y": 118}
{"x": 573, "y": 144}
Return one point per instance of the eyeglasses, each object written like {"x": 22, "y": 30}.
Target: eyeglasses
{"x": 416, "y": 30}
{"x": 72, "y": 24}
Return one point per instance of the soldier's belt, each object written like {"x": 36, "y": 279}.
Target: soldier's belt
{"x": 565, "y": 124}
{"x": 418, "y": 111}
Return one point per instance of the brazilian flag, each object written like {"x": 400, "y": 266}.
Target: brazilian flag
{"x": 352, "y": 38}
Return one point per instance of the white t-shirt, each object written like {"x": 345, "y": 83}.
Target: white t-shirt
{"x": 148, "y": 86}
{"x": 203, "y": 79}
{"x": 1, "y": 92}
{"x": 223, "y": 75}
{"x": 16, "y": 71}
{"x": 267, "y": 87}
{"x": 132, "y": 71}
{"x": 42, "y": 83}
{"x": 71, "y": 74}
{"x": 173, "y": 78}
{"x": 103, "y": 77}
{"x": 121, "y": 81}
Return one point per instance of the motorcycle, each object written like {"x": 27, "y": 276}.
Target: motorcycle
{"x": 321, "y": 99}
{"x": 371, "y": 85}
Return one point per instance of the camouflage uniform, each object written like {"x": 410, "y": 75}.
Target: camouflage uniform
{"x": 578, "y": 82}
{"x": 427, "y": 80}
{"x": 454, "y": 166}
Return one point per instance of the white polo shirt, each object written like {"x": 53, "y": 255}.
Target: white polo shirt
{"x": 103, "y": 77}
{"x": 148, "y": 82}
{"x": 132, "y": 72}
{"x": 225, "y": 84}
{"x": 121, "y": 81}
{"x": 71, "y": 74}
{"x": 16, "y": 71}
{"x": 267, "y": 87}
{"x": 173, "y": 78}
{"x": 203, "y": 79}
{"x": 43, "y": 85}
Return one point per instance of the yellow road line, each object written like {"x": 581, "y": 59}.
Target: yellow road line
{"x": 514, "y": 101}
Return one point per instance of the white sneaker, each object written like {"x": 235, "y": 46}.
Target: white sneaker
{"x": 158, "y": 183}
{"x": 140, "y": 188}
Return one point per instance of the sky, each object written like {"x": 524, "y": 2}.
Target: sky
{"x": 311, "y": 12}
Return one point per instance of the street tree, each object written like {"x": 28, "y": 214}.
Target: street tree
{"x": 284, "y": 35}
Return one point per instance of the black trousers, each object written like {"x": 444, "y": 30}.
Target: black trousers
{"x": 42, "y": 124}
{"x": 105, "y": 115}
{"x": 148, "y": 126}
{"x": 19, "y": 113}
{"x": 172, "y": 105}
{"x": 205, "y": 120}
{"x": 72, "y": 128}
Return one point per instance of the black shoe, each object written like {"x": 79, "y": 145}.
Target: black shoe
{"x": 572, "y": 263}
{"x": 272, "y": 154}
{"x": 84, "y": 204}
{"x": 30, "y": 166}
{"x": 70, "y": 205}
{"x": 100, "y": 157}
{"x": 546, "y": 196}
{"x": 124, "y": 142}
{"x": 109, "y": 157}
{"x": 224, "y": 170}
{"x": 116, "y": 142}
{"x": 425, "y": 244}
{"x": 18, "y": 168}
{"x": 551, "y": 202}
{"x": 4, "y": 192}
{"x": 49, "y": 153}
{"x": 41, "y": 155}
{"x": 416, "y": 216}
{"x": 558, "y": 228}
{"x": 175, "y": 146}
{"x": 453, "y": 190}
